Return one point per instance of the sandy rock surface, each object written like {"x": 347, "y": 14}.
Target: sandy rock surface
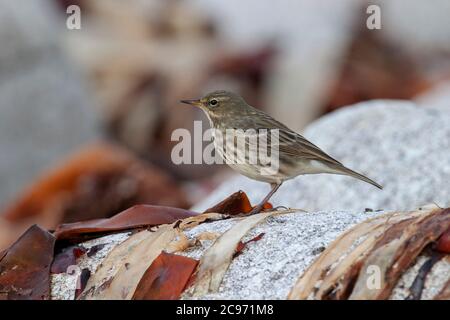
{"x": 267, "y": 268}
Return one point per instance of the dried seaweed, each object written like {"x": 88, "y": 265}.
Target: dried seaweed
{"x": 97, "y": 181}
{"x": 390, "y": 242}
{"x": 83, "y": 278}
{"x": 124, "y": 282}
{"x": 241, "y": 245}
{"x": 443, "y": 244}
{"x": 237, "y": 203}
{"x": 419, "y": 282}
{"x": 397, "y": 249}
{"x": 207, "y": 236}
{"x": 234, "y": 204}
{"x": 217, "y": 258}
{"x": 66, "y": 258}
{"x": 166, "y": 277}
{"x": 95, "y": 249}
{"x": 191, "y": 222}
{"x": 108, "y": 268}
{"x": 444, "y": 294}
{"x": 25, "y": 267}
{"x": 305, "y": 285}
{"x": 134, "y": 217}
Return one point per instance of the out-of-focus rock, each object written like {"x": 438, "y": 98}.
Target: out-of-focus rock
{"x": 45, "y": 110}
{"x": 308, "y": 62}
{"x": 342, "y": 61}
{"x": 97, "y": 182}
{"x": 437, "y": 98}
{"x": 143, "y": 57}
{"x": 402, "y": 146}
{"x": 415, "y": 25}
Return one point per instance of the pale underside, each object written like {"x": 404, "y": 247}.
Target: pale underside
{"x": 258, "y": 156}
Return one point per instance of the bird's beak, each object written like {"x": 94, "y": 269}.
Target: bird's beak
{"x": 196, "y": 103}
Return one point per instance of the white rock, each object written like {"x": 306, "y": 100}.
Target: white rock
{"x": 63, "y": 285}
{"x": 415, "y": 25}
{"x": 402, "y": 146}
{"x": 437, "y": 98}
{"x": 267, "y": 268}
{"x": 270, "y": 267}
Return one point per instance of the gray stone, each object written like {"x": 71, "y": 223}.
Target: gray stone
{"x": 415, "y": 25}
{"x": 402, "y": 146}
{"x": 271, "y": 266}
{"x": 45, "y": 112}
{"x": 267, "y": 268}
{"x": 437, "y": 98}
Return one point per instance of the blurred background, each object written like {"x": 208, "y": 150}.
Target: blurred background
{"x": 86, "y": 115}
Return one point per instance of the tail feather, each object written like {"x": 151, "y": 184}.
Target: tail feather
{"x": 346, "y": 171}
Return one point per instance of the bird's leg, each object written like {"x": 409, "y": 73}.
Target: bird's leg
{"x": 259, "y": 207}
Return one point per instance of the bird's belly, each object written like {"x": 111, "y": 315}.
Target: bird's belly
{"x": 254, "y": 172}
{"x": 285, "y": 172}
{"x": 305, "y": 166}
{"x": 247, "y": 163}
{"x": 273, "y": 170}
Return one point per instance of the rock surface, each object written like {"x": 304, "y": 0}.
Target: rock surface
{"x": 267, "y": 268}
{"x": 45, "y": 110}
{"x": 289, "y": 245}
{"x": 270, "y": 267}
{"x": 437, "y": 98}
{"x": 400, "y": 145}
{"x": 400, "y": 17}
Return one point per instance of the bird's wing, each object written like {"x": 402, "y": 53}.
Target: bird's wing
{"x": 291, "y": 142}
{"x": 296, "y": 145}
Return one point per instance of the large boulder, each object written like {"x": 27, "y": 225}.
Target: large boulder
{"x": 400, "y": 145}
{"x": 45, "y": 109}
{"x": 154, "y": 252}
{"x": 272, "y": 255}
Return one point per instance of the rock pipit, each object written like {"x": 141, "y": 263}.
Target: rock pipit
{"x": 261, "y": 148}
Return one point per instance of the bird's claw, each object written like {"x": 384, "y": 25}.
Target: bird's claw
{"x": 279, "y": 208}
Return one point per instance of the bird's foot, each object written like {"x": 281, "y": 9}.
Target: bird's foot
{"x": 278, "y": 208}
{"x": 255, "y": 210}
{"x": 259, "y": 209}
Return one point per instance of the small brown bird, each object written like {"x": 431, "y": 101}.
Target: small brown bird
{"x": 228, "y": 112}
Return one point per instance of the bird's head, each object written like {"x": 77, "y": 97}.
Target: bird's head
{"x": 219, "y": 103}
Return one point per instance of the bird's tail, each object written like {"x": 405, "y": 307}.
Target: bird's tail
{"x": 346, "y": 171}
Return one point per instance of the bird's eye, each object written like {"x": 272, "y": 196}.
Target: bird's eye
{"x": 213, "y": 102}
